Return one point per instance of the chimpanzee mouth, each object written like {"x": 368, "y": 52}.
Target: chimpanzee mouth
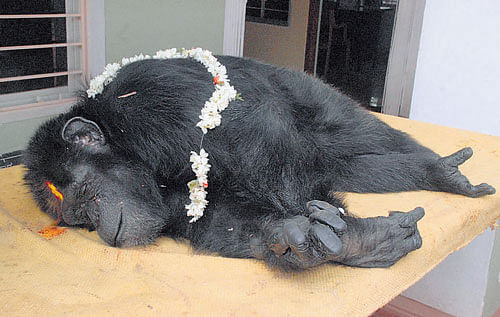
{"x": 118, "y": 230}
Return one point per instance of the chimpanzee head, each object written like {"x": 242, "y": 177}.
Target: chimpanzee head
{"x": 75, "y": 178}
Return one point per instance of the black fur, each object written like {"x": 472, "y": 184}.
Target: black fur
{"x": 123, "y": 168}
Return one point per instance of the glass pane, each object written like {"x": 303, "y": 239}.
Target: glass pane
{"x": 253, "y": 12}
{"x": 282, "y": 5}
{"x": 30, "y": 62}
{"x": 354, "y": 45}
{"x": 33, "y": 84}
{"x": 254, "y": 3}
{"x": 15, "y": 32}
{"x": 31, "y": 6}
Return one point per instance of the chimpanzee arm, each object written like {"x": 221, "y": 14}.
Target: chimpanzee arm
{"x": 322, "y": 234}
{"x": 394, "y": 172}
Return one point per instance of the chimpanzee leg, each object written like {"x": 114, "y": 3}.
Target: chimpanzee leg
{"x": 325, "y": 235}
{"x": 395, "y": 172}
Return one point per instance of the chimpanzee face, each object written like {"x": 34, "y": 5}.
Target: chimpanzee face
{"x": 77, "y": 180}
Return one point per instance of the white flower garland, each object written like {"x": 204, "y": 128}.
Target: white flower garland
{"x": 210, "y": 113}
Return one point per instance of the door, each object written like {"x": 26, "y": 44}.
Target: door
{"x": 367, "y": 49}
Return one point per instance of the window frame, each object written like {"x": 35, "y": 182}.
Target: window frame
{"x": 264, "y": 20}
{"x": 48, "y": 101}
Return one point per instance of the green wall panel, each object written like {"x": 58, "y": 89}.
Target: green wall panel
{"x": 134, "y": 27}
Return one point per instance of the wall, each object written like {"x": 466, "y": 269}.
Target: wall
{"x": 15, "y": 135}
{"x": 492, "y": 298}
{"x": 456, "y": 84}
{"x": 147, "y": 26}
{"x": 279, "y": 45}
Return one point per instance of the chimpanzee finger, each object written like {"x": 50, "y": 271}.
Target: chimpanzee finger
{"x": 276, "y": 241}
{"x": 329, "y": 217}
{"x": 412, "y": 217}
{"x": 479, "y": 190}
{"x": 326, "y": 239}
{"x": 459, "y": 157}
{"x": 412, "y": 243}
{"x": 316, "y": 205}
{"x": 258, "y": 248}
{"x": 295, "y": 237}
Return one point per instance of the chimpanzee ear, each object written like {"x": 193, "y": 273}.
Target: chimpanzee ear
{"x": 83, "y": 132}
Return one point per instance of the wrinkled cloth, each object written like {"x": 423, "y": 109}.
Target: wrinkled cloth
{"x": 75, "y": 273}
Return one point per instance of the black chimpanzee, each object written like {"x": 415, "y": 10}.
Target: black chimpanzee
{"x": 278, "y": 159}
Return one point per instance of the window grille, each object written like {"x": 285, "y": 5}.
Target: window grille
{"x": 268, "y": 11}
{"x": 42, "y": 52}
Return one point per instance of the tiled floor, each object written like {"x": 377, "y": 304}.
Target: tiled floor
{"x": 405, "y": 307}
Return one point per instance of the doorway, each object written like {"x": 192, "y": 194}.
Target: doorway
{"x": 367, "y": 49}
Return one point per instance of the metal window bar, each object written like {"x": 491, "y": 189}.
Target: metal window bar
{"x": 263, "y": 8}
{"x": 266, "y": 9}
{"x": 40, "y": 16}
{"x": 37, "y": 46}
{"x": 37, "y": 76}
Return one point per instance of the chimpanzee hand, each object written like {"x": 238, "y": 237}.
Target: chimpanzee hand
{"x": 448, "y": 178}
{"x": 380, "y": 241}
{"x": 303, "y": 242}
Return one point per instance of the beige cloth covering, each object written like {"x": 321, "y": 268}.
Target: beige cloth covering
{"x": 75, "y": 273}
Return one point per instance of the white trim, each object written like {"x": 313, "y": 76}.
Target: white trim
{"x": 96, "y": 38}
{"x": 234, "y": 27}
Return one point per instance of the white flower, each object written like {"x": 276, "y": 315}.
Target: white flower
{"x": 200, "y": 168}
{"x": 195, "y": 210}
{"x": 165, "y": 54}
{"x": 200, "y": 159}
{"x": 228, "y": 92}
{"x": 210, "y": 108}
{"x": 96, "y": 86}
{"x": 209, "y": 121}
{"x": 198, "y": 194}
{"x": 218, "y": 100}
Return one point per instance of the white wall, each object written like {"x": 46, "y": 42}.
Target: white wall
{"x": 457, "y": 83}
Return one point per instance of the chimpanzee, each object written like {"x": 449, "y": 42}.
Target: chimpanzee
{"x": 280, "y": 158}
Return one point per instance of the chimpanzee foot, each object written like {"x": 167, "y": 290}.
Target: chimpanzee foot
{"x": 380, "y": 241}
{"x": 302, "y": 242}
{"x": 450, "y": 179}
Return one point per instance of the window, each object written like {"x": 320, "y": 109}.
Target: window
{"x": 42, "y": 45}
{"x": 268, "y": 11}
